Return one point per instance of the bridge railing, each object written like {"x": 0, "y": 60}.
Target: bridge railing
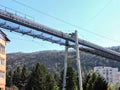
{"x": 16, "y": 12}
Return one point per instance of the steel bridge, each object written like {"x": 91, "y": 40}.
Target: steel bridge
{"x": 16, "y": 23}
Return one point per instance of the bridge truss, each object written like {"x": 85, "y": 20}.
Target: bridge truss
{"x": 13, "y": 22}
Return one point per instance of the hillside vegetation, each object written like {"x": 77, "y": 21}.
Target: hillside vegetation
{"x": 53, "y": 60}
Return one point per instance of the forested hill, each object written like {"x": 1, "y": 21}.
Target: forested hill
{"x": 53, "y": 60}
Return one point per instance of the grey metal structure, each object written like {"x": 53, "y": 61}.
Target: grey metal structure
{"x": 25, "y": 26}
{"x": 65, "y": 68}
{"x": 78, "y": 61}
{"x": 22, "y": 25}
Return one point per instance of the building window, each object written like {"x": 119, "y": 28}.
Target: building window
{"x": 2, "y": 75}
{"x": 1, "y": 36}
{"x": 1, "y": 61}
{"x": 110, "y": 72}
{"x": 110, "y": 79}
{"x": 2, "y": 48}
{"x": 110, "y": 69}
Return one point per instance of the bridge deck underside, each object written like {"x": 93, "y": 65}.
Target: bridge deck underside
{"x": 40, "y": 35}
{"x": 31, "y": 32}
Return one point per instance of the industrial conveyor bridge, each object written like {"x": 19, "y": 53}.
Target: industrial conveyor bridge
{"x": 16, "y": 23}
{"x": 22, "y": 25}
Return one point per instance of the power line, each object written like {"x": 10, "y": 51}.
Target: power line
{"x": 16, "y": 12}
{"x": 58, "y": 19}
{"x": 81, "y": 28}
{"x": 101, "y": 10}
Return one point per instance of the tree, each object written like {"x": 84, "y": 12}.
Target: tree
{"x": 37, "y": 78}
{"x": 51, "y": 84}
{"x": 17, "y": 77}
{"x": 93, "y": 81}
{"x": 24, "y": 76}
{"x": 14, "y": 88}
{"x": 71, "y": 79}
{"x": 111, "y": 87}
{"x": 9, "y": 78}
{"x": 41, "y": 79}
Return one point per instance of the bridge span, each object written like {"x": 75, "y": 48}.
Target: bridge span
{"x": 13, "y": 22}
{"x": 22, "y": 25}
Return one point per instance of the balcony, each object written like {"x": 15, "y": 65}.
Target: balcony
{"x": 3, "y": 56}
{"x": 2, "y": 81}
{"x": 2, "y": 42}
{"x": 3, "y": 68}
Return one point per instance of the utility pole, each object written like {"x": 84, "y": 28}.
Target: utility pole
{"x": 78, "y": 61}
{"x": 65, "y": 66}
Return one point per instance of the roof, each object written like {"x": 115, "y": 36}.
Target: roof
{"x": 4, "y": 35}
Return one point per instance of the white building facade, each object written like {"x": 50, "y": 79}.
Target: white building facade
{"x": 110, "y": 74}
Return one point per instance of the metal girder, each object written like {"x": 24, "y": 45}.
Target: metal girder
{"x": 99, "y": 48}
{"x": 78, "y": 62}
{"x": 16, "y": 28}
{"x": 100, "y": 53}
{"x": 65, "y": 68}
{"x": 27, "y": 32}
{"x": 38, "y": 27}
{"x": 7, "y": 27}
{"x": 2, "y": 24}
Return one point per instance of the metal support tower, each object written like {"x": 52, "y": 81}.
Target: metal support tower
{"x": 78, "y": 61}
{"x": 76, "y": 46}
{"x": 65, "y": 67}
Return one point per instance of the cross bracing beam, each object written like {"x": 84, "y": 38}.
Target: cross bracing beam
{"x": 7, "y": 16}
{"x": 2, "y": 24}
{"x": 27, "y": 32}
{"x": 32, "y": 33}
{"x": 16, "y": 28}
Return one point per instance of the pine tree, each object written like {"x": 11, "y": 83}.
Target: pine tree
{"x": 17, "y": 77}
{"x": 50, "y": 82}
{"x": 93, "y": 81}
{"x": 60, "y": 83}
{"x": 57, "y": 77}
{"x": 24, "y": 76}
{"x": 41, "y": 79}
{"x": 14, "y": 88}
{"x": 71, "y": 79}
{"x": 9, "y": 78}
{"x": 37, "y": 78}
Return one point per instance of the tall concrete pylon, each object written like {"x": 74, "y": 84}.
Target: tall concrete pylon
{"x": 78, "y": 61}
{"x": 65, "y": 67}
{"x": 76, "y": 47}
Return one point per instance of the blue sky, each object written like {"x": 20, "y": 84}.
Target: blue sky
{"x": 99, "y": 18}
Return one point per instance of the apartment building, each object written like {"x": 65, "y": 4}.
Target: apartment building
{"x": 110, "y": 74}
{"x": 3, "y": 40}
